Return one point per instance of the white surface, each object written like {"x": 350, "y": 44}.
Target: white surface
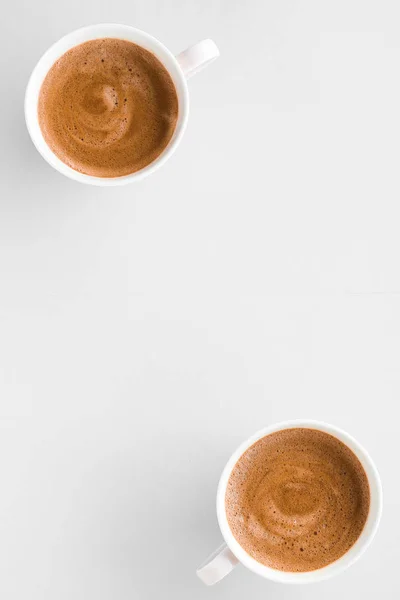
{"x": 147, "y": 330}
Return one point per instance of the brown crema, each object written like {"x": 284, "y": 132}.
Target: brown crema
{"x": 108, "y": 108}
{"x": 297, "y": 500}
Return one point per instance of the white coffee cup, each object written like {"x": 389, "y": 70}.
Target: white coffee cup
{"x": 180, "y": 68}
{"x": 223, "y": 560}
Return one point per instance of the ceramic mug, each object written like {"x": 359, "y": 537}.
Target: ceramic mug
{"x": 223, "y": 560}
{"x": 180, "y": 68}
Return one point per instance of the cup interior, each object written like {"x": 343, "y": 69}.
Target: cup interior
{"x": 351, "y": 555}
{"x": 91, "y": 33}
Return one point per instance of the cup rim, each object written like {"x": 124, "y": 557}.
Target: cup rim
{"x": 88, "y": 33}
{"x": 358, "y": 548}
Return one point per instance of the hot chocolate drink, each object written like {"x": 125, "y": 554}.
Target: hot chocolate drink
{"x": 297, "y": 500}
{"x": 108, "y": 108}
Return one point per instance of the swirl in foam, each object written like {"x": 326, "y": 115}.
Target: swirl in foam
{"x": 297, "y": 500}
{"x": 108, "y": 108}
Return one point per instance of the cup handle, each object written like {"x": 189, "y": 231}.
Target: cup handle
{"x": 217, "y": 566}
{"x": 195, "y": 58}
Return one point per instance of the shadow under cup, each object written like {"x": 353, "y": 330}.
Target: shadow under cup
{"x": 231, "y": 553}
{"x": 80, "y": 36}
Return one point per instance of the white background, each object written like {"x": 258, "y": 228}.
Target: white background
{"x": 146, "y": 331}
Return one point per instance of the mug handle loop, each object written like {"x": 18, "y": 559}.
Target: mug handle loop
{"x": 195, "y": 58}
{"x": 217, "y": 566}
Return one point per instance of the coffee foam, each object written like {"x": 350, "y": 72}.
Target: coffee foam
{"x": 297, "y": 500}
{"x": 108, "y": 108}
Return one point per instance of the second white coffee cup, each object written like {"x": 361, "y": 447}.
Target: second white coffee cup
{"x": 223, "y": 560}
{"x": 180, "y": 68}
